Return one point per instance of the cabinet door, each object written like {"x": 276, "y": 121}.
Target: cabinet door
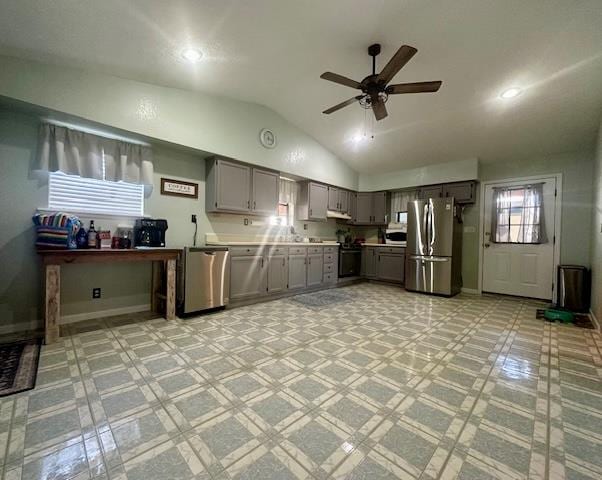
{"x": 352, "y": 198}
{"x": 277, "y": 273}
{"x": 233, "y": 187}
{"x": 390, "y": 267}
{"x": 247, "y": 277}
{"x": 333, "y": 199}
{"x": 297, "y": 275}
{"x": 369, "y": 260}
{"x": 318, "y": 201}
{"x": 315, "y": 266}
{"x": 379, "y": 208}
{"x": 433, "y": 191}
{"x": 462, "y": 192}
{"x": 265, "y": 192}
{"x": 344, "y": 201}
{"x": 363, "y": 208}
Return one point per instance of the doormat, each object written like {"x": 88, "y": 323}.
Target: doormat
{"x": 322, "y": 299}
{"x": 581, "y": 320}
{"x": 19, "y": 366}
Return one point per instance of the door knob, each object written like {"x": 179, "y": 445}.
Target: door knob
{"x": 486, "y": 245}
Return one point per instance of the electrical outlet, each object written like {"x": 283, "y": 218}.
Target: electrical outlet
{"x": 193, "y": 219}
{"x": 246, "y": 221}
{"x": 96, "y": 293}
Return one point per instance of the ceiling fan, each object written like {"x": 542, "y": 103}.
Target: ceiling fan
{"x": 375, "y": 88}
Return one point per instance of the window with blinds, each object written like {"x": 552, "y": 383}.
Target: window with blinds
{"x": 73, "y": 194}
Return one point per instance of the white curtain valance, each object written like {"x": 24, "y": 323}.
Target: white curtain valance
{"x": 288, "y": 192}
{"x": 399, "y": 201}
{"x": 90, "y": 156}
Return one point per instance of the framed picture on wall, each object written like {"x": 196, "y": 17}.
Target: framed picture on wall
{"x": 179, "y": 188}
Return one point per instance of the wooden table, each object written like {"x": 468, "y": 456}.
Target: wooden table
{"x": 53, "y": 259}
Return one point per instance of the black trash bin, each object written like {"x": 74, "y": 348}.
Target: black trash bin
{"x": 573, "y": 288}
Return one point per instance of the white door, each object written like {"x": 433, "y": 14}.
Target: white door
{"x": 515, "y": 268}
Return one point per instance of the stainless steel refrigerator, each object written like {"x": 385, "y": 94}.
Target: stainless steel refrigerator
{"x": 434, "y": 247}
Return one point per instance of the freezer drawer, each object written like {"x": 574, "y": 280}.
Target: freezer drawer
{"x": 206, "y": 279}
{"x": 430, "y": 275}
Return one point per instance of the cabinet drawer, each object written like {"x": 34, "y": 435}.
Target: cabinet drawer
{"x": 328, "y": 267}
{"x": 245, "y": 251}
{"x": 297, "y": 250}
{"x": 330, "y": 278}
{"x": 389, "y": 250}
{"x": 331, "y": 249}
{"x": 278, "y": 251}
{"x": 329, "y": 258}
{"x": 314, "y": 250}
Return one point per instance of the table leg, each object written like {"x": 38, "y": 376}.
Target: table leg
{"x": 52, "y": 309}
{"x": 155, "y": 284}
{"x": 170, "y": 307}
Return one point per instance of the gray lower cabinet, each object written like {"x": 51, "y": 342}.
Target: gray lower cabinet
{"x": 248, "y": 276}
{"x": 391, "y": 267}
{"x": 315, "y": 268}
{"x": 277, "y": 274}
{"x": 297, "y": 271}
{"x": 369, "y": 262}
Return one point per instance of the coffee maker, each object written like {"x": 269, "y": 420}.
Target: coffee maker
{"x": 149, "y": 233}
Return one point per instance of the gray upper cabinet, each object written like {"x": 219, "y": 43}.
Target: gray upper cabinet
{"x": 391, "y": 267}
{"x": 266, "y": 186}
{"x": 363, "y": 208}
{"x": 315, "y": 266}
{"x": 379, "y": 208}
{"x": 238, "y": 188}
{"x": 313, "y": 201}
{"x": 333, "y": 199}
{"x": 371, "y": 208}
{"x": 277, "y": 273}
{"x": 228, "y": 186}
{"x": 297, "y": 271}
{"x": 344, "y": 201}
{"x": 431, "y": 191}
{"x": 352, "y": 207}
{"x": 463, "y": 192}
{"x": 248, "y": 276}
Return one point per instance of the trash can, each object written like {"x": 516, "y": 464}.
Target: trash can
{"x": 573, "y": 288}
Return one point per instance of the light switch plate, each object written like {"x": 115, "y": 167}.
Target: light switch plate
{"x": 469, "y": 229}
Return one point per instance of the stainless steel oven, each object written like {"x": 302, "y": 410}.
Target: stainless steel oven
{"x": 350, "y": 260}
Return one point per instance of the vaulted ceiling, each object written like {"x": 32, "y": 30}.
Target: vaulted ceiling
{"x": 273, "y": 51}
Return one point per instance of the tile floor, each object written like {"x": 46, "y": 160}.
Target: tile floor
{"x": 388, "y": 385}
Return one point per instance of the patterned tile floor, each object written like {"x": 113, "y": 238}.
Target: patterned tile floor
{"x": 388, "y": 385}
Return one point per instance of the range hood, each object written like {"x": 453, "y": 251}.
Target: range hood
{"x": 339, "y": 215}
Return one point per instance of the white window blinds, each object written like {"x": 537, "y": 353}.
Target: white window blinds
{"x": 73, "y": 194}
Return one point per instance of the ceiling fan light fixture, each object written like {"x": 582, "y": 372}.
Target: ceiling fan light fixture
{"x": 511, "y": 93}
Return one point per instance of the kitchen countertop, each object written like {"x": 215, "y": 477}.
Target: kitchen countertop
{"x": 395, "y": 245}
{"x": 282, "y": 244}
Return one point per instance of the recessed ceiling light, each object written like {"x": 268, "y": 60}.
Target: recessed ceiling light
{"x": 511, "y": 92}
{"x": 192, "y": 55}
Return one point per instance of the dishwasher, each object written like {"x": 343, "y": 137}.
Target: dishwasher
{"x": 204, "y": 279}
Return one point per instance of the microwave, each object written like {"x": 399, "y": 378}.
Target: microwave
{"x": 396, "y": 236}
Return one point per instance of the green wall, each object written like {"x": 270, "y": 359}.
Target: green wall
{"x": 123, "y": 285}
{"x": 596, "y": 230}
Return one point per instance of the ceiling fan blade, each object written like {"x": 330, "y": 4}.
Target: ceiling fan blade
{"x": 379, "y": 109}
{"x": 401, "y": 57}
{"x": 336, "y": 78}
{"x": 416, "y": 87}
{"x": 342, "y": 104}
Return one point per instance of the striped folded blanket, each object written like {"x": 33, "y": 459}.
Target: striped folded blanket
{"x": 57, "y": 230}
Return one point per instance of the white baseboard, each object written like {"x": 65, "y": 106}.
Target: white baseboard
{"x": 471, "y": 291}
{"x": 79, "y": 317}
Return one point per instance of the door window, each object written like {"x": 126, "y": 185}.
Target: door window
{"x": 517, "y": 215}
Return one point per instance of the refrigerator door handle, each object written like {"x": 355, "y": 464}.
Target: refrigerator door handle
{"x": 430, "y": 259}
{"x": 431, "y": 230}
{"x": 425, "y": 217}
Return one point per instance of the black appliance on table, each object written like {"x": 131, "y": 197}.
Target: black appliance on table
{"x": 149, "y": 233}
{"x": 350, "y": 259}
